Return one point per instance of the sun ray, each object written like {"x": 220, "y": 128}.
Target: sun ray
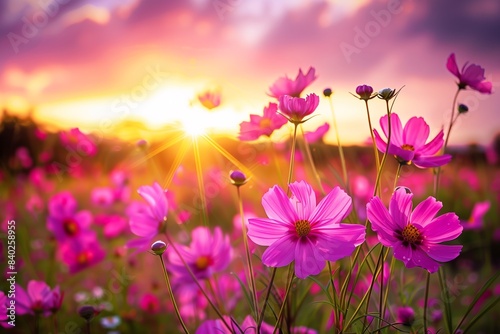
{"x": 201, "y": 185}
{"x": 158, "y": 150}
{"x": 177, "y": 161}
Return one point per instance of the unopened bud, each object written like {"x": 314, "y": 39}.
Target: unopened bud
{"x": 327, "y": 92}
{"x": 87, "y": 312}
{"x": 462, "y": 108}
{"x": 158, "y": 247}
{"x": 237, "y": 178}
{"x": 386, "y": 93}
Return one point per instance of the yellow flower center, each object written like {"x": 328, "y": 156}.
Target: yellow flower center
{"x": 203, "y": 262}
{"x": 70, "y": 227}
{"x": 83, "y": 257}
{"x": 408, "y": 147}
{"x": 302, "y": 227}
{"x": 411, "y": 234}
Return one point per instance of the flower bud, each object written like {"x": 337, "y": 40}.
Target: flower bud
{"x": 364, "y": 92}
{"x": 237, "y": 178}
{"x": 87, "y": 312}
{"x": 386, "y": 93}
{"x": 462, "y": 108}
{"x": 327, "y": 92}
{"x": 158, "y": 247}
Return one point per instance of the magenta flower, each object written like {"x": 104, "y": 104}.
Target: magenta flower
{"x": 207, "y": 254}
{"x": 145, "y": 220}
{"x": 209, "y": 100}
{"x": 415, "y": 236}
{"x": 249, "y": 326}
{"x": 471, "y": 75}
{"x": 102, "y": 196}
{"x": 408, "y": 144}
{"x": 296, "y": 108}
{"x": 77, "y": 141}
{"x": 318, "y": 134}
{"x": 365, "y": 92}
{"x": 38, "y": 298}
{"x": 80, "y": 255}
{"x": 405, "y": 315}
{"x": 299, "y": 230}
{"x": 4, "y": 304}
{"x": 65, "y": 222}
{"x": 286, "y": 86}
{"x": 475, "y": 221}
{"x": 262, "y": 125}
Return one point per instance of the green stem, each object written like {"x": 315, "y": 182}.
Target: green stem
{"x": 398, "y": 173}
{"x": 266, "y": 299}
{"x": 195, "y": 279}
{"x": 251, "y": 278}
{"x": 452, "y": 121}
{"x": 375, "y": 150}
{"x": 341, "y": 151}
{"x": 384, "y": 157}
{"x": 426, "y": 299}
{"x": 292, "y": 157}
{"x": 172, "y": 298}
{"x": 311, "y": 162}
{"x": 289, "y": 285}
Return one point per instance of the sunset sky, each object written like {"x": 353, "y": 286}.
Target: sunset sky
{"x": 85, "y": 63}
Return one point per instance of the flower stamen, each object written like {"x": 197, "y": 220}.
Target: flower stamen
{"x": 302, "y": 228}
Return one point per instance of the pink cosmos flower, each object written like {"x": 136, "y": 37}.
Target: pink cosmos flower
{"x": 299, "y": 230}
{"x": 475, "y": 221}
{"x": 64, "y": 221}
{"x": 286, "y": 86}
{"x": 102, "y": 196}
{"x": 23, "y": 157}
{"x": 37, "y": 298}
{"x": 145, "y": 220}
{"x": 262, "y": 125}
{"x": 415, "y": 235}
{"x": 79, "y": 142}
{"x": 405, "y": 315}
{"x": 4, "y": 303}
{"x": 408, "y": 143}
{"x": 296, "y": 108}
{"x": 150, "y": 303}
{"x": 471, "y": 75}
{"x": 209, "y": 100}
{"x": 318, "y": 134}
{"x": 80, "y": 255}
{"x": 207, "y": 253}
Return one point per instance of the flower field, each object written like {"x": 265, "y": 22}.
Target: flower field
{"x": 203, "y": 233}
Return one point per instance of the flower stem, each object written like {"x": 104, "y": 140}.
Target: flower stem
{"x": 171, "y": 293}
{"x": 341, "y": 151}
{"x": 398, "y": 173}
{"x": 251, "y": 275}
{"x": 292, "y": 157}
{"x": 384, "y": 157}
{"x": 452, "y": 121}
{"x": 262, "y": 312}
{"x": 426, "y": 299}
{"x": 375, "y": 151}
{"x": 311, "y": 162}
{"x": 214, "y": 307}
{"x": 289, "y": 285}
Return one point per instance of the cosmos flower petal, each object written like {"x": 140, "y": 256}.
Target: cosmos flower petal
{"x": 425, "y": 211}
{"x": 333, "y": 208}
{"x": 381, "y": 221}
{"x": 402, "y": 253}
{"x": 443, "y": 228}
{"x": 433, "y": 146}
{"x": 265, "y": 231}
{"x": 397, "y": 129}
{"x": 381, "y": 144}
{"x": 278, "y": 206}
{"x": 281, "y": 252}
{"x": 342, "y": 243}
{"x": 304, "y": 199}
{"x": 307, "y": 259}
{"x": 452, "y": 66}
{"x": 444, "y": 253}
{"x": 484, "y": 87}
{"x": 434, "y": 161}
{"x": 400, "y": 207}
{"x": 419, "y": 258}
{"x": 416, "y": 132}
